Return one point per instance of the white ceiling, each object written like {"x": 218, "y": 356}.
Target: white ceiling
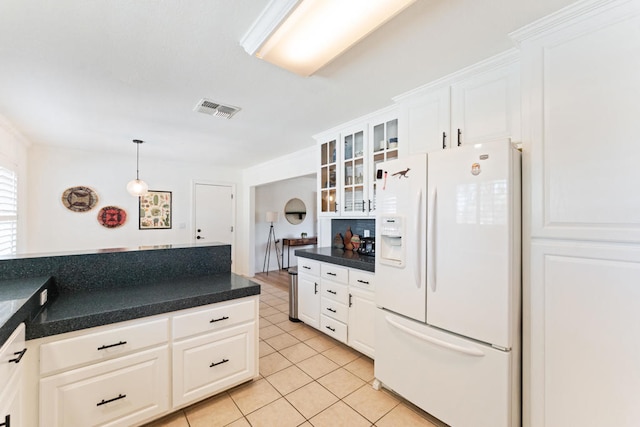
{"x": 95, "y": 74}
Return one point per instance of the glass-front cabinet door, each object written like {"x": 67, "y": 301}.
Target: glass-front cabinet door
{"x": 329, "y": 176}
{"x": 384, "y": 146}
{"x": 354, "y": 172}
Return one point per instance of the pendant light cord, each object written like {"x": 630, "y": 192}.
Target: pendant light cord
{"x": 138, "y": 142}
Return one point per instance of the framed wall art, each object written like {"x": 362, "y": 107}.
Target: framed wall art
{"x": 155, "y": 210}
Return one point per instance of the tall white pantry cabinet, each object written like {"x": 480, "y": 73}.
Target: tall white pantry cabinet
{"x": 581, "y": 164}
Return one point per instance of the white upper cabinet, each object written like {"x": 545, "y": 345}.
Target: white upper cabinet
{"x": 348, "y": 155}
{"x": 477, "y": 104}
{"x": 354, "y": 171}
{"x": 486, "y": 107}
{"x": 427, "y": 118}
{"x": 328, "y": 175}
{"x": 581, "y": 82}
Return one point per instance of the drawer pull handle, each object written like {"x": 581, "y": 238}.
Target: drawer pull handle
{"x": 306, "y": 267}
{"x": 363, "y": 281}
{"x": 218, "y": 363}
{"x": 332, "y": 292}
{"x": 330, "y": 328}
{"x": 17, "y": 359}
{"x": 104, "y": 402}
{"x": 112, "y": 345}
{"x": 331, "y": 310}
{"x": 219, "y": 320}
{"x": 331, "y": 274}
{"x": 7, "y": 421}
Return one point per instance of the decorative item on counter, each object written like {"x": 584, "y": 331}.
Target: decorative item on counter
{"x": 303, "y": 235}
{"x": 338, "y": 243}
{"x": 347, "y": 240}
{"x": 79, "y": 199}
{"x": 355, "y": 241}
{"x": 155, "y": 210}
{"x": 112, "y": 216}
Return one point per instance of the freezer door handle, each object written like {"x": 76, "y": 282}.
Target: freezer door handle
{"x": 470, "y": 351}
{"x": 431, "y": 238}
{"x": 418, "y": 221}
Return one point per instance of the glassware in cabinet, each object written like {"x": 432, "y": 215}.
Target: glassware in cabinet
{"x": 353, "y": 172}
{"x": 328, "y": 176}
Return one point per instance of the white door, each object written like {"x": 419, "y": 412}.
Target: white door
{"x": 400, "y": 236}
{"x": 473, "y": 266}
{"x": 213, "y": 206}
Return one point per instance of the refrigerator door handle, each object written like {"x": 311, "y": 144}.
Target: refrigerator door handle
{"x": 470, "y": 351}
{"x": 418, "y": 221}
{"x": 431, "y": 238}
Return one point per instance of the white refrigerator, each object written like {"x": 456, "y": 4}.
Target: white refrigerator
{"x": 448, "y": 283}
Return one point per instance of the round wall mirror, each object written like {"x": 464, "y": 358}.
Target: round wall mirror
{"x": 295, "y": 211}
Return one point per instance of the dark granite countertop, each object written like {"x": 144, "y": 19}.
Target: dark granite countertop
{"x": 340, "y": 257}
{"x": 72, "y": 311}
{"x": 19, "y": 301}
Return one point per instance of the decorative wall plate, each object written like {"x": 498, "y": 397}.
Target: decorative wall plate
{"x": 79, "y": 199}
{"x": 112, "y": 216}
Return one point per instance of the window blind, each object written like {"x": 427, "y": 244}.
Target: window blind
{"x": 8, "y": 211}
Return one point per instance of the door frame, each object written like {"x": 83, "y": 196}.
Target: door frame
{"x": 192, "y": 228}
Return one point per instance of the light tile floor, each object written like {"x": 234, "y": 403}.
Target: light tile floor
{"x": 306, "y": 379}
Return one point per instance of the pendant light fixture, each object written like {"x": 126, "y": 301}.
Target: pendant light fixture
{"x": 137, "y": 187}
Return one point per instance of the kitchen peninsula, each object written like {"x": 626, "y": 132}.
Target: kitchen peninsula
{"x": 130, "y": 320}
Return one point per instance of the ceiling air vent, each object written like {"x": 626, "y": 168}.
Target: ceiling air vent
{"x": 213, "y": 108}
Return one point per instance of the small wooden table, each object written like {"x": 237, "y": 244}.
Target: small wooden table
{"x": 292, "y": 241}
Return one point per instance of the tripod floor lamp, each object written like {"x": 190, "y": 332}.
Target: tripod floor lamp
{"x": 271, "y": 217}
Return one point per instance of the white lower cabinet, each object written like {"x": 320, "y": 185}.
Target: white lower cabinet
{"x": 11, "y": 379}
{"x": 338, "y": 301}
{"x": 210, "y": 363}
{"x": 118, "y": 392}
{"x": 362, "y": 312}
{"x": 309, "y": 292}
{"x": 130, "y": 373}
{"x": 10, "y": 403}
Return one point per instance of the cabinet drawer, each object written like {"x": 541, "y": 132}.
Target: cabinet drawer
{"x": 334, "y": 309}
{"x": 118, "y": 392}
{"x": 103, "y": 345}
{"x": 10, "y": 355}
{"x": 213, "y": 318}
{"x": 334, "y": 291}
{"x": 333, "y": 328}
{"x": 362, "y": 279}
{"x": 335, "y": 273}
{"x": 210, "y": 363}
{"x": 307, "y": 266}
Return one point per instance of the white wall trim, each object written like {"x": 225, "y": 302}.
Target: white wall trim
{"x": 497, "y": 61}
{"x": 558, "y": 20}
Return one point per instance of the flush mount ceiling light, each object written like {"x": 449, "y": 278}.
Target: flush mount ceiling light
{"x": 304, "y": 35}
{"x": 137, "y": 187}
